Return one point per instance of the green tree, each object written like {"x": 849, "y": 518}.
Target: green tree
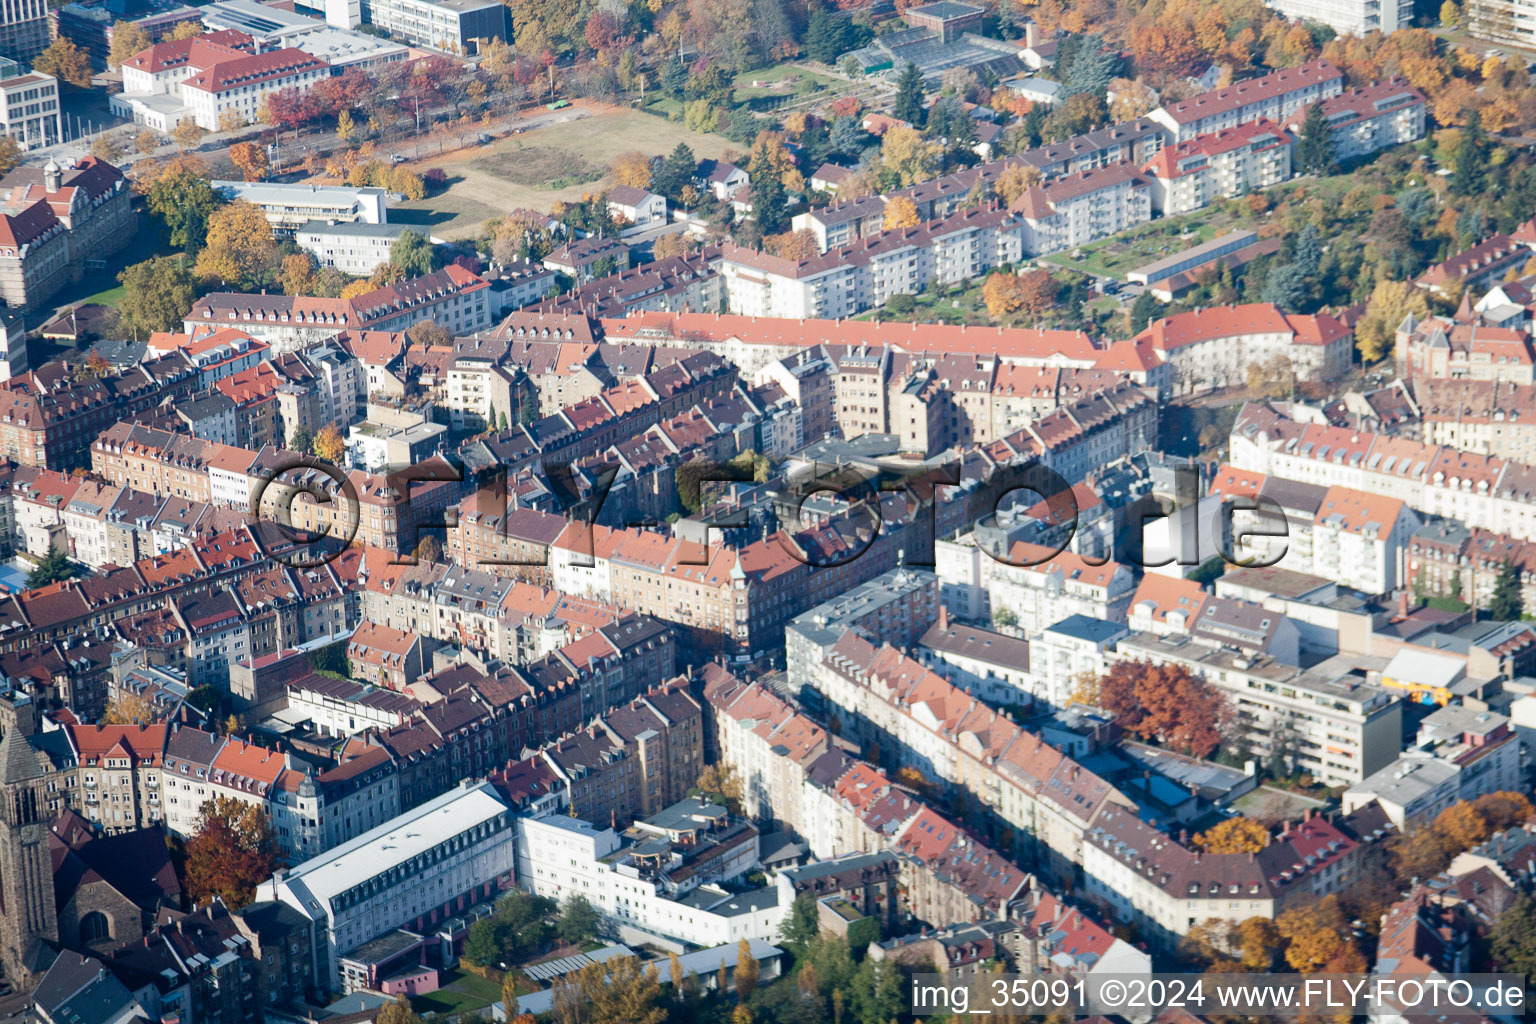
{"x": 1506, "y": 603}
{"x": 770, "y": 207}
{"x": 876, "y": 992}
{"x": 1315, "y": 148}
{"x": 303, "y": 441}
{"x": 184, "y": 202}
{"x": 413, "y": 254}
{"x": 800, "y": 927}
{"x": 53, "y": 566}
{"x": 578, "y": 921}
{"x": 1470, "y": 175}
{"x": 1144, "y": 310}
{"x": 1513, "y": 939}
{"x": 676, "y": 172}
{"x": 158, "y": 295}
{"x": 909, "y": 96}
{"x": 824, "y": 35}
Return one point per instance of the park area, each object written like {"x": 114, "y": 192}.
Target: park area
{"x": 534, "y": 169}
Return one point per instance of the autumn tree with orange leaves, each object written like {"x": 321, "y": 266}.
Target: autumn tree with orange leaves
{"x": 1235, "y": 835}
{"x": 1167, "y": 704}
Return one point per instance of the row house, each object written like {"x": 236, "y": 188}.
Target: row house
{"x": 768, "y": 745}
{"x": 1223, "y": 165}
{"x": 633, "y": 760}
{"x": 1481, "y": 491}
{"x": 919, "y": 720}
{"x": 1446, "y": 559}
{"x": 453, "y": 297}
{"x": 754, "y": 342}
{"x": 49, "y": 419}
{"x": 1163, "y": 887}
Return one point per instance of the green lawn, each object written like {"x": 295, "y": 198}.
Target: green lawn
{"x": 804, "y": 82}
{"x": 460, "y": 993}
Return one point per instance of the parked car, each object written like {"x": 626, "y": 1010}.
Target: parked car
{"x": 484, "y": 138}
{"x": 396, "y": 158}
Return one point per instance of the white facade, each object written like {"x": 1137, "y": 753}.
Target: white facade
{"x": 560, "y": 856}
{"x": 414, "y": 867}
{"x": 290, "y": 207}
{"x": 1350, "y": 17}
{"x": 977, "y": 585}
{"x": 29, "y": 110}
{"x": 356, "y": 248}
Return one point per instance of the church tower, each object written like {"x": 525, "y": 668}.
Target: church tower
{"x": 29, "y": 925}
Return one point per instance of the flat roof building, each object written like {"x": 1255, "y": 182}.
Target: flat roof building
{"x": 411, "y": 872}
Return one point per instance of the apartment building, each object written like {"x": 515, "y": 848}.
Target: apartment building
{"x": 770, "y": 747}
{"x": 1324, "y": 720}
{"x": 1027, "y": 587}
{"x": 1157, "y": 883}
{"x": 1350, "y": 17}
{"x": 415, "y": 871}
{"x": 644, "y": 883}
{"x": 1213, "y": 348}
{"x": 1370, "y": 118}
{"x": 1481, "y": 491}
{"x": 1225, "y": 164}
{"x": 1508, "y": 22}
{"x": 1460, "y": 753}
{"x": 1274, "y": 97}
{"x": 452, "y": 297}
{"x": 1081, "y": 208}
{"x": 352, "y": 248}
{"x": 846, "y": 281}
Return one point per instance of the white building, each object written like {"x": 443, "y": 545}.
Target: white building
{"x": 1350, "y": 17}
{"x": 291, "y": 207}
{"x": 1026, "y": 588}
{"x": 454, "y": 26}
{"x": 208, "y": 76}
{"x": 559, "y": 856}
{"x": 29, "y": 106}
{"x": 1275, "y": 97}
{"x": 1213, "y": 348}
{"x": 1512, "y": 22}
{"x": 1322, "y": 720}
{"x": 356, "y": 247}
{"x": 637, "y": 206}
{"x": 412, "y": 872}
{"x": 1224, "y": 164}
{"x": 844, "y": 282}
{"x": 1373, "y": 117}
{"x": 1083, "y": 207}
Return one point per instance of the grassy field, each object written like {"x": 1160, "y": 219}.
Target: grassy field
{"x": 784, "y": 80}
{"x": 517, "y": 171}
